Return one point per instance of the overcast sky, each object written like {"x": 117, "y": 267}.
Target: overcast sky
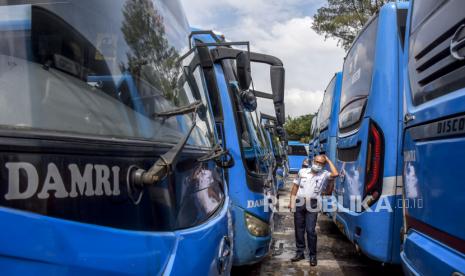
{"x": 281, "y": 28}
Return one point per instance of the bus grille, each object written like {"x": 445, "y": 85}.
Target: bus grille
{"x": 433, "y": 70}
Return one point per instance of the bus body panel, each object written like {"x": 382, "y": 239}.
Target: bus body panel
{"x": 434, "y": 143}
{"x": 376, "y": 233}
{"x": 61, "y": 247}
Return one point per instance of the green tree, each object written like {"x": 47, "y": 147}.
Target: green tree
{"x": 299, "y": 128}
{"x": 343, "y": 19}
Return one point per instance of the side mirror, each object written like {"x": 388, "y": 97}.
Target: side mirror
{"x": 244, "y": 75}
{"x": 280, "y": 113}
{"x": 277, "y": 74}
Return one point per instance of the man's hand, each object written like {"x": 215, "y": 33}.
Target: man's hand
{"x": 334, "y": 172}
{"x": 294, "y": 189}
{"x": 291, "y": 205}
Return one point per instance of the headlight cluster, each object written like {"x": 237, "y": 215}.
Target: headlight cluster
{"x": 256, "y": 226}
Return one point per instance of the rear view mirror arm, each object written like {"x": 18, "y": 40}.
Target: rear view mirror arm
{"x": 263, "y": 95}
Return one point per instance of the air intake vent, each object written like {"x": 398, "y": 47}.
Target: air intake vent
{"x": 435, "y": 67}
{"x": 436, "y": 60}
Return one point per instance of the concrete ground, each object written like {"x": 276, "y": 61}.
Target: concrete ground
{"x": 336, "y": 254}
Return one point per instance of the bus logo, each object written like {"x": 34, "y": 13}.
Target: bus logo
{"x": 457, "y": 43}
{"x": 92, "y": 180}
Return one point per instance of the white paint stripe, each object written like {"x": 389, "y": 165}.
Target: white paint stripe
{"x": 392, "y": 185}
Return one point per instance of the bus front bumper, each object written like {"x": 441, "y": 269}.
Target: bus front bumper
{"x": 422, "y": 255}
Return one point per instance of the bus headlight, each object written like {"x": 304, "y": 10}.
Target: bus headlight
{"x": 256, "y": 226}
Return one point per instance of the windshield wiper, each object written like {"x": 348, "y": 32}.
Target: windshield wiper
{"x": 215, "y": 154}
{"x": 217, "y": 151}
{"x": 190, "y": 108}
{"x": 164, "y": 165}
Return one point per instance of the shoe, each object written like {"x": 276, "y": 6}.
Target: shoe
{"x": 298, "y": 257}
{"x": 313, "y": 261}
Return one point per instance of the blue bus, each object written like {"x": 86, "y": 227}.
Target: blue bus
{"x": 368, "y": 146}
{"x": 316, "y": 142}
{"x": 296, "y": 153}
{"x": 275, "y": 135}
{"x": 311, "y": 143}
{"x": 433, "y": 141}
{"x": 250, "y": 179}
{"x": 328, "y": 124}
{"x": 109, "y": 160}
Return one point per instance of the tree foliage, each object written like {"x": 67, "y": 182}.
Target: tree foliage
{"x": 343, "y": 19}
{"x": 151, "y": 55}
{"x": 299, "y": 128}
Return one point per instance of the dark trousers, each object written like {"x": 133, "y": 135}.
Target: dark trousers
{"x": 305, "y": 221}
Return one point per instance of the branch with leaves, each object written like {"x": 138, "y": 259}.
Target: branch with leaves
{"x": 299, "y": 128}
{"x": 343, "y": 19}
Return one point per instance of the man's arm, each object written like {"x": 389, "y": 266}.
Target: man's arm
{"x": 333, "y": 169}
{"x": 329, "y": 187}
{"x": 295, "y": 188}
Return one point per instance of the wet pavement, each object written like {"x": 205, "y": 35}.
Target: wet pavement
{"x": 336, "y": 254}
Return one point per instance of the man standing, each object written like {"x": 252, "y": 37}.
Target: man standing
{"x": 307, "y": 190}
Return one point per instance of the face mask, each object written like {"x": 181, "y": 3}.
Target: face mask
{"x": 305, "y": 166}
{"x": 316, "y": 168}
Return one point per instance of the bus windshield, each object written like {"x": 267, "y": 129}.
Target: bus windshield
{"x": 251, "y": 135}
{"x": 298, "y": 150}
{"x": 327, "y": 104}
{"x": 313, "y": 127}
{"x": 99, "y": 69}
{"x": 356, "y": 80}
{"x": 253, "y": 143}
{"x": 358, "y": 66}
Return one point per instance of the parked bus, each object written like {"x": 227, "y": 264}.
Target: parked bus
{"x": 107, "y": 140}
{"x": 328, "y": 124}
{"x": 296, "y": 153}
{"x": 316, "y": 142}
{"x": 311, "y": 143}
{"x": 369, "y": 137}
{"x": 276, "y": 137}
{"x": 251, "y": 178}
{"x": 434, "y": 143}
{"x": 328, "y": 127}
